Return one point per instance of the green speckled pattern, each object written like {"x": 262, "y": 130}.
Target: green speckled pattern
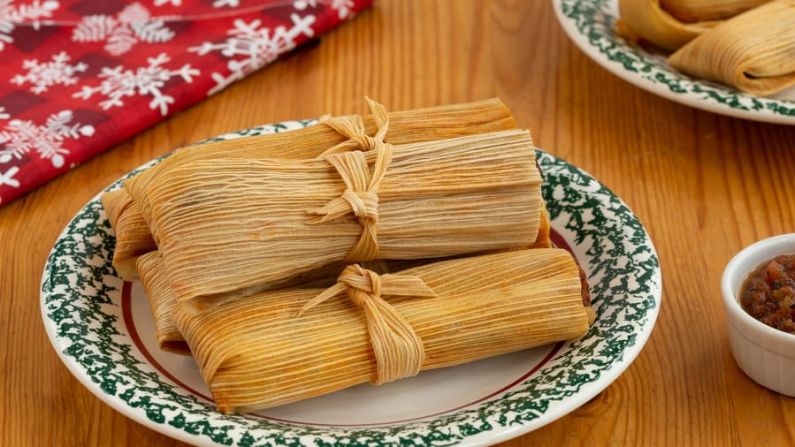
{"x": 594, "y": 20}
{"x": 81, "y": 297}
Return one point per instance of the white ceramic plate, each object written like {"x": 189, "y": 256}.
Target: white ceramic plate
{"x": 103, "y": 331}
{"x": 590, "y": 24}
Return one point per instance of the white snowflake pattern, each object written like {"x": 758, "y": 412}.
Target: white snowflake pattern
{"x": 7, "y": 178}
{"x": 131, "y": 25}
{"x": 118, "y": 83}
{"x": 11, "y": 15}
{"x": 303, "y": 4}
{"x": 43, "y": 75}
{"x": 3, "y": 114}
{"x": 20, "y": 137}
{"x": 344, "y": 8}
{"x": 250, "y": 47}
{"x": 223, "y": 3}
{"x": 216, "y": 3}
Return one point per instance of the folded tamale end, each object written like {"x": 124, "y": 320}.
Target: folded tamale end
{"x": 133, "y": 240}
{"x": 115, "y": 203}
{"x": 130, "y": 231}
{"x": 161, "y": 304}
{"x": 543, "y": 237}
{"x": 752, "y": 52}
{"x": 255, "y": 353}
{"x": 647, "y": 20}
{"x": 174, "y": 343}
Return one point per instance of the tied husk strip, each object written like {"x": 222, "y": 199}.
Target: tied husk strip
{"x": 397, "y": 349}
{"x": 754, "y": 51}
{"x": 708, "y": 10}
{"x": 361, "y": 186}
{"x": 254, "y": 353}
{"x": 133, "y": 237}
{"x": 234, "y": 227}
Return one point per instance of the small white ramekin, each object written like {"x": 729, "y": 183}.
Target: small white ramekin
{"x": 765, "y": 354}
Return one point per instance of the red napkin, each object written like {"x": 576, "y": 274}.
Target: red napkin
{"x": 77, "y": 77}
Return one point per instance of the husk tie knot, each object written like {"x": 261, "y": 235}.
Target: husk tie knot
{"x": 398, "y": 350}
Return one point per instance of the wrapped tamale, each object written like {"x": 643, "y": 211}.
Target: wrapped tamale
{"x": 754, "y": 51}
{"x": 277, "y": 347}
{"x": 231, "y": 227}
{"x": 669, "y": 24}
{"x": 134, "y": 239}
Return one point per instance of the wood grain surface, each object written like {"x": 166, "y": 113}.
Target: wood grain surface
{"x": 704, "y": 186}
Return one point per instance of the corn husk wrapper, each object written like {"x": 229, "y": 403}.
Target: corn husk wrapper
{"x": 256, "y": 352}
{"x": 134, "y": 239}
{"x": 161, "y": 303}
{"x": 646, "y": 20}
{"x": 691, "y": 11}
{"x": 233, "y": 227}
{"x": 115, "y": 203}
{"x": 754, "y": 51}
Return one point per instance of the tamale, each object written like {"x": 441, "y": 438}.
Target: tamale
{"x": 133, "y": 237}
{"x": 230, "y": 226}
{"x": 708, "y": 10}
{"x": 754, "y": 51}
{"x": 273, "y": 347}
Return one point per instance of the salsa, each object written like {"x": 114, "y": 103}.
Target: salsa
{"x": 768, "y": 294}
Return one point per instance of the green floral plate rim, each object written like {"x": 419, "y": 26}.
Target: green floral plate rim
{"x": 590, "y": 24}
{"x": 81, "y": 300}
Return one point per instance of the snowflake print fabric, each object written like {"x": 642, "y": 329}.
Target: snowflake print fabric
{"x": 79, "y": 77}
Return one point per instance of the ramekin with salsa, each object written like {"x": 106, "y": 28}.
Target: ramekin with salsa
{"x": 758, "y": 288}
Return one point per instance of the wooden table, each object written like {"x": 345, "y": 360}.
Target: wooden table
{"x": 704, "y": 186}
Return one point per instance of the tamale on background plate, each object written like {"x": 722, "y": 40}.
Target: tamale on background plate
{"x": 103, "y": 331}
{"x": 590, "y": 24}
